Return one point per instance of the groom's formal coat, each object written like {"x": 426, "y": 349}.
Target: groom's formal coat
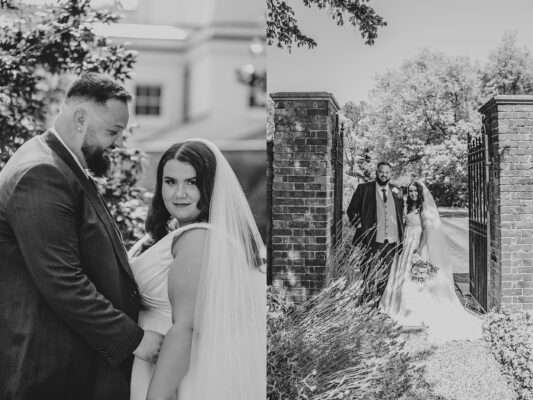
{"x": 68, "y": 300}
{"x": 362, "y": 211}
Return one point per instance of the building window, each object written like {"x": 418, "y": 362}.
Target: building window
{"x": 148, "y": 100}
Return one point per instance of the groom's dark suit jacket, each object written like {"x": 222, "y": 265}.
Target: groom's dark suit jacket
{"x": 68, "y": 300}
{"x": 363, "y": 211}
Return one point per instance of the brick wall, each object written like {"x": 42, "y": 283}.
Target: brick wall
{"x": 509, "y": 125}
{"x": 302, "y": 247}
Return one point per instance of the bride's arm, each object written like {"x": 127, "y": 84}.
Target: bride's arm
{"x": 184, "y": 274}
{"x": 423, "y": 235}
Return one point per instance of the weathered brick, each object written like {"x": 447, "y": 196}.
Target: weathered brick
{"x": 525, "y": 299}
{"x": 512, "y": 292}
{"x": 523, "y": 284}
{"x": 510, "y": 127}
{"x": 302, "y": 192}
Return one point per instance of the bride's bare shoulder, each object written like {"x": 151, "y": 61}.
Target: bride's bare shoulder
{"x": 190, "y": 240}
{"x": 184, "y": 272}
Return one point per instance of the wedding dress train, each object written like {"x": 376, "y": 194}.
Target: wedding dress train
{"x": 433, "y": 303}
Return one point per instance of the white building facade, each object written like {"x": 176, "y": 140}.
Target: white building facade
{"x": 185, "y": 82}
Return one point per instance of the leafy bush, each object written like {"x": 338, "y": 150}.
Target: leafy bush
{"x": 511, "y": 340}
{"x": 40, "y": 44}
{"x": 450, "y": 194}
{"x": 335, "y": 346}
{"x": 124, "y": 199}
{"x": 40, "y": 48}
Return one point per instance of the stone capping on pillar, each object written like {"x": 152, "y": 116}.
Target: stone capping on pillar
{"x": 504, "y": 99}
{"x": 302, "y": 247}
{"x": 509, "y": 128}
{"x": 295, "y": 96}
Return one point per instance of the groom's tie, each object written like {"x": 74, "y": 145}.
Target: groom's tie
{"x": 384, "y": 195}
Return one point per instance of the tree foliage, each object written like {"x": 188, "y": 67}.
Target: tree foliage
{"x": 124, "y": 199}
{"x": 419, "y": 119}
{"x": 39, "y": 48}
{"x": 509, "y": 69}
{"x": 282, "y": 24}
{"x": 420, "y": 115}
{"x": 40, "y": 44}
{"x": 358, "y": 143}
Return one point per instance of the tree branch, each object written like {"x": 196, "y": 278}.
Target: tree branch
{"x": 282, "y": 26}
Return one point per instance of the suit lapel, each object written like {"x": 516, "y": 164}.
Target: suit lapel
{"x": 95, "y": 199}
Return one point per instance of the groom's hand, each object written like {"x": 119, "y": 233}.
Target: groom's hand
{"x": 149, "y": 347}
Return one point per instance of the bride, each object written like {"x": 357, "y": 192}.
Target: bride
{"x": 202, "y": 284}
{"x": 433, "y": 302}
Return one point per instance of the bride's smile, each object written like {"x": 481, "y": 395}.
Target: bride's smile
{"x": 201, "y": 283}
{"x": 180, "y": 191}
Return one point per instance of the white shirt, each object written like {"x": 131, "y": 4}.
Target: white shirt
{"x": 70, "y": 151}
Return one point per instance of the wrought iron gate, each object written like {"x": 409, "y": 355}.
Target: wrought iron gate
{"x": 270, "y": 177}
{"x": 337, "y": 162}
{"x": 478, "y": 217}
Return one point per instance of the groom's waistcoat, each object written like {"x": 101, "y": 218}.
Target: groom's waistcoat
{"x": 362, "y": 212}
{"x": 386, "y": 224}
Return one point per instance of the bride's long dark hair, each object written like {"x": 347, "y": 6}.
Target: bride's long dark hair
{"x": 417, "y": 204}
{"x": 203, "y": 161}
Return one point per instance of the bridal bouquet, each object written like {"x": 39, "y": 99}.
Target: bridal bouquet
{"x": 422, "y": 270}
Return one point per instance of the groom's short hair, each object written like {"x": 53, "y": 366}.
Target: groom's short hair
{"x": 384, "y": 163}
{"x": 97, "y": 87}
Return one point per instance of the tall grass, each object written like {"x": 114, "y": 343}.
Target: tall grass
{"x": 337, "y": 345}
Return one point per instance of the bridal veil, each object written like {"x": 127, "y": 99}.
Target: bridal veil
{"x": 228, "y": 354}
{"x": 446, "y": 317}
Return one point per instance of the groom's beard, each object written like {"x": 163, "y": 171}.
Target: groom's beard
{"x": 97, "y": 160}
{"x": 382, "y": 183}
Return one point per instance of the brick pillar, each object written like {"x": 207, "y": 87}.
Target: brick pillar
{"x": 508, "y": 122}
{"x": 302, "y": 246}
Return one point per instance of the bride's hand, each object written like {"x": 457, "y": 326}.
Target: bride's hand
{"x": 149, "y": 347}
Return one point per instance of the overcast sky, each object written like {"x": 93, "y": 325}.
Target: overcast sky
{"x": 343, "y": 65}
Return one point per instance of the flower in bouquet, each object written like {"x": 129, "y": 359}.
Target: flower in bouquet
{"x": 422, "y": 270}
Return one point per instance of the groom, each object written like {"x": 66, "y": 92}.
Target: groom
{"x": 376, "y": 211}
{"x": 68, "y": 300}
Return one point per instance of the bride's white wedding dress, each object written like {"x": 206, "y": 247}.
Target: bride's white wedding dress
{"x": 433, "y": 303}
{"x": 150, "y": 270}
{"x": 228, "y": 349}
